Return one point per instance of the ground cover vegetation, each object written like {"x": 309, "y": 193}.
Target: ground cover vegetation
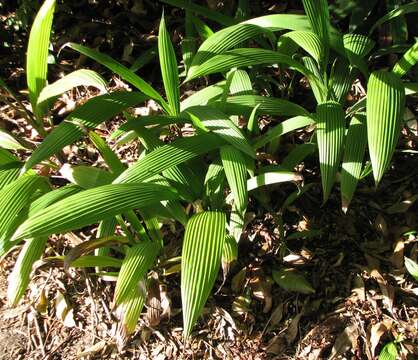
{"x": 159, "y": 189}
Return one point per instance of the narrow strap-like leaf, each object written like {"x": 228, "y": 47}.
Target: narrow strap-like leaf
{"x": 138, "y": 260}
{"x": 281, "y": 129}
{"x": 408, "y": 60}
{"x": 318, "y": 15}
{"x": 82, "y": 77}
{"x": 270, "y": 178}
{"x": 341, "y": 79}
{"x": 9, "y": 173}
{"x": 19, "y": 278}
{"x": 87, "y": 116}
{"x": 200, "y": 261}
{"x": 13, "y": 198}
{"x": 122, "y": 71}
{"x": 129, "y": 311}
{"x": 51, "y": 197}
{"x": 204, "y": 96}
{"x": 308, "y": 41}
{"x": 355, "y": 147}
{"x": 226, "y": 39}
{"x": 8, "y": 141}
{"x": 235, "y": 168}
{"x": 169, "y": 155}
{"x": 219, "y": 123}
{"x": 385, "y": 109}
{"x": 400, "y": 10}
{"x": 169, "y": 72}
{"x": 330, "y": 133}
{"x": 214, "y": 186}
{"x": 110, "y": 158}
{"x": 90, "y": 206}
{"x": 37, "y": 54}
{"x": 248, "y": 57}
{"x": 266, "y": 105}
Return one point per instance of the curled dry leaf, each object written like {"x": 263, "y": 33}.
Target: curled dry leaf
{"x": 63, "y": 310}
{"x": 377, "y": 331}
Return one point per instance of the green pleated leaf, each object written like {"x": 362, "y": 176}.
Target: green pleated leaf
{"x": 229, "y": 253}
{"x": 308, "y": 41}
{"x": 226, "y": 39}
{"x": 218, "y": 122}
{"x": 408, "y": 60}
{"x": 96, "y": 261}
{"x": 88, "y": 116}
{"x": 9, "y": 173}
{"x": 266, "y": 105}
{"x": 88, "y": 246}
{"x": 357, "y": 46}
{"x": 214, "y": 186}
{"x": 13, "y": 198}
{"x": 6, "y": 157}
{"x": 235, "y": 168}
{"x": 129, "y": 311}
{"x": 90, "y": 206}
{"x": 341, "y": 79}
{"x": 201, "y": 28}
{"x": 86, "y": 177}
{"x": 279, "y": 22}
{"x": 19, "y": 278}
{"x": 7, "y": 141}
{"x": 389, "y": 352}
{"x": 412, "y": 267}
{"x": 330, "y": 132}
{"x": 122, "y": 71}
{"x": 169, "y": 155}
{"x": 248, "y": 57}
{"x": 37, "y": 54}
{"x": 270, "y": 178}
{"x": 297, "y": 155}
{"x": 188, "y": 49}
{"x": 81, "y": 77}
{"x": 168, "y": 64}
{"x": 204, "y": 96}
{"x": 399, "y": 11}
{"x": 241, "y": 83}
{"x": 51, "y": 197}
{"x": 111, "y": 159}
{"x": 138, "y": 260}
{"x": 385, "y": 109}
{"x": 355, "y": 147}
{"x": 318, "y": 15}
{"x": 281, "y": 129}
{"x": 200, "y": 261}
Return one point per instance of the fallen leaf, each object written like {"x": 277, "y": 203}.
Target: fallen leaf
{"x": 345, "y": 341}
{"x": 292, "y": 280}
{"x": 292, "y": 330}
{"x": 377, "y": 331}
{"x": 398, "y": 253}
{"x": 402, "y": 206}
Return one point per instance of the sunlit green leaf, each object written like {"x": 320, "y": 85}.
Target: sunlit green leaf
{"x": 330, "y": 133}
{"x": 200, "y": 261}
{"x": 385, "y": 108}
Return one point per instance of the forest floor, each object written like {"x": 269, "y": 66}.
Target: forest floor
{"x": 363, "y": 297}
